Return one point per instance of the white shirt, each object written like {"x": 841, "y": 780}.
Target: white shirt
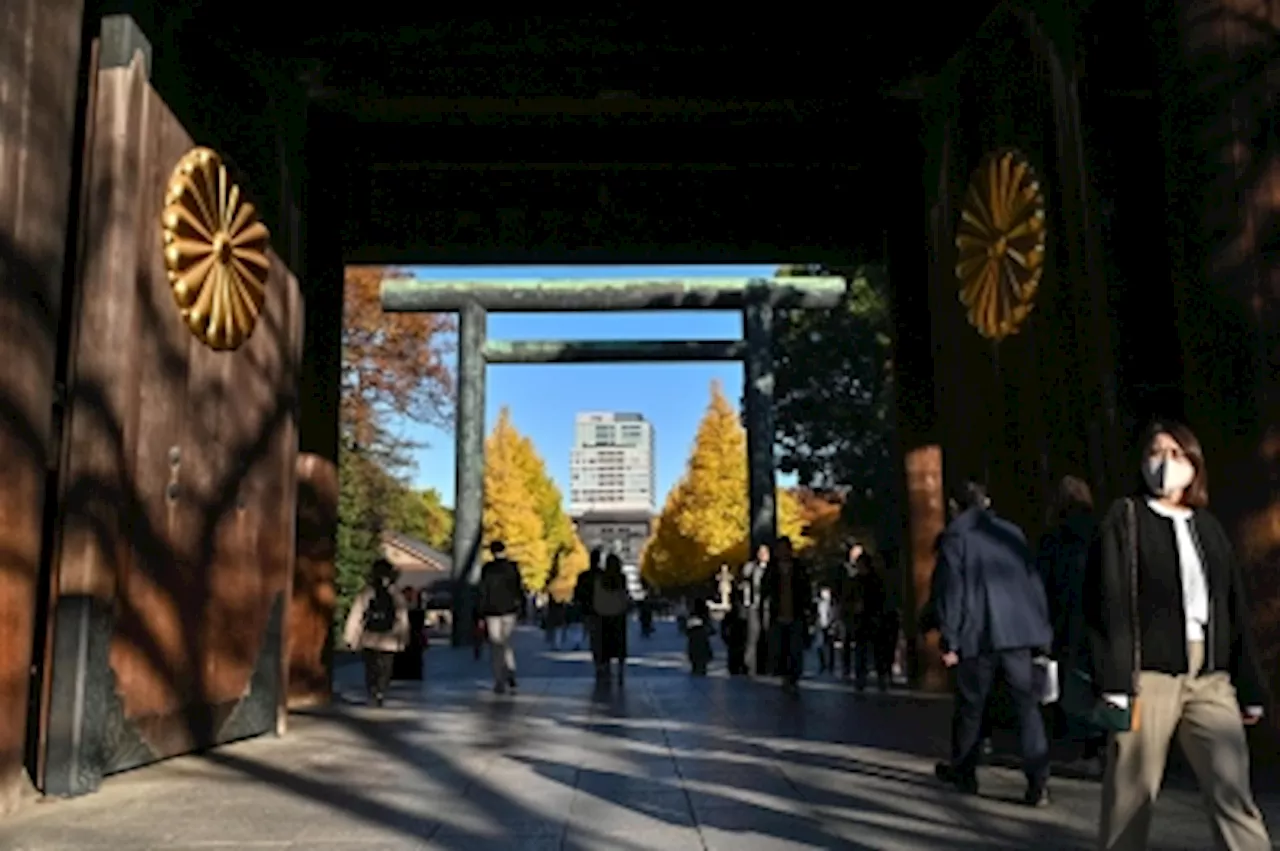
{"x": 1195, "y": 590}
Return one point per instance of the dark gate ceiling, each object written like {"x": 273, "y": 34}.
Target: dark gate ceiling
{"x": 631, "y": 133}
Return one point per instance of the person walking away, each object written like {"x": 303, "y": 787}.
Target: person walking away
{"x": 1176, "y": 651}
{"x": 698, "y": 637}
{"x": 734, "y": 632}
{"x": 583, "y": 593}
{"x": 870, "y": 601}
{"x": 572, "y": 629}
{"x": 646, "y": 616}
{"x": 826, "y": 631}
{"x": 1062, "y": 559}
{"x": 755, "y": 646}
{"x": 555, "y": 622}
{"x": 788, "y": 596}
{"x": 849, "y": 605}
{"x": 501, "y": 596}
{"x": 994, "y": 621}
{"x": 610, "y": 602}
{"x": 378, "y": 625}
{"x": 929, "y": 621}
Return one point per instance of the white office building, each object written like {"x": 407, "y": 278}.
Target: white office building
{"x": 612, "y": 486}
{"x": 611, "y": 468}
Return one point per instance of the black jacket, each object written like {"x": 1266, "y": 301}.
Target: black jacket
{"x": 1229, "y": 644}
{"x": 582, "y": 591}
{"x": 801, "y": 590}
{"x": 501, "y": 591}
{"x": 865, "y": 601}
{"x": 1062, "y": 559}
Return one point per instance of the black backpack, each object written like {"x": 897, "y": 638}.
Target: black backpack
{"x": 381, "y": 614}
{"x": 609, "y": 597}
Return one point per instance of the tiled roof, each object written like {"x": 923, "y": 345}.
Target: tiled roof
{"x": 419, "y": 549}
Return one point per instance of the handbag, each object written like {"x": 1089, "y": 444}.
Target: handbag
{"x": 1080, "y": 700}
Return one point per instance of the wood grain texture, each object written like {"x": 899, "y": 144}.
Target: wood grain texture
{"x": 1018, "y": 413}
{"x": 39, "y": 56}
{"x": 312, "y": 599}
{"x": 1221, "y": 75}
{"x": 182, "y": 480}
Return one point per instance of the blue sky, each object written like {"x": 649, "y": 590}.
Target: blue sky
{"x": 544, "y": 399}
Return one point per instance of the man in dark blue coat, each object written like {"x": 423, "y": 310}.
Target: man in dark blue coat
{"x": 994, "y": 619}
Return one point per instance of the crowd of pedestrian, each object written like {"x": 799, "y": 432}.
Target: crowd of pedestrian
{"x": 1125, "y": 633}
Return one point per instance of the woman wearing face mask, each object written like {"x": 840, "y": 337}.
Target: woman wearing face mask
{"x": 1197, "y": 674}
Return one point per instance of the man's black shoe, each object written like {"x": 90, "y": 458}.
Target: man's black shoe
{"x": 511, "y": 682}
{"x": 945, "y": 772}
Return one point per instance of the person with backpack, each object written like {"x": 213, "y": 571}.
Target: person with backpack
{"x": 610, "y": 602}
{"x": 501, "y": 598}
{"x": 378, "y": 626}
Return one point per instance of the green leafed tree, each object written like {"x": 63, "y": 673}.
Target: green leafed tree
{"x": 833, "y": 392}
{"x": 422, "y": 514}
{"x": 392, "y": 366}
{"x": 370, "y": 500}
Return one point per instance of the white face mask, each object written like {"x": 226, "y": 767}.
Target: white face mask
{"x": 1167, "y": 476}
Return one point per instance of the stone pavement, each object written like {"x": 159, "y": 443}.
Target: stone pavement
{"x": 667, "y": 762}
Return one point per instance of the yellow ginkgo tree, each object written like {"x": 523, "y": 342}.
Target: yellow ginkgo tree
{"x": 510, "y": 510}
{"x": 563, "y": 563}
{"x": 570, "y": 567}
{"x": 704, "y": 522}
{"x": 524, "y": 508}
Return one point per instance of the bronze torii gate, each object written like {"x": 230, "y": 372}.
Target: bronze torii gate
{"x": 757, "y": 298}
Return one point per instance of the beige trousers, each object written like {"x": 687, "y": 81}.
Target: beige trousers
{"x": 1204, "y": 714}
{"x": 501, "y": 653}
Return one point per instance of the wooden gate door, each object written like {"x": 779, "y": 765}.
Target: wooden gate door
{"x": 176, "y": 501}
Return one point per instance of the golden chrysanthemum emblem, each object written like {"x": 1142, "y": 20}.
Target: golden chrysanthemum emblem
{"x": 1000, "y": 244}
{"x": 215, "y": 250}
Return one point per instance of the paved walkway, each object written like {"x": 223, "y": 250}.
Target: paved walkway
{"x": 669, "y": 762}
